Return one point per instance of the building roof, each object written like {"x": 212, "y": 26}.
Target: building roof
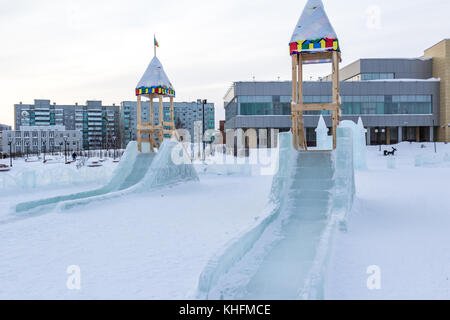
{"x": 314, "y": 32}
{"x": 155, "y": 80}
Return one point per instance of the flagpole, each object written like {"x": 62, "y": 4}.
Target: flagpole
{"x": 154, "y": 43}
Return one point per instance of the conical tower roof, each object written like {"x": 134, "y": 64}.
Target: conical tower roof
{"x": 314, "y": 32}
{"x": 155, "y": 80}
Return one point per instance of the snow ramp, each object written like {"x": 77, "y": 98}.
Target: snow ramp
{"x": 135, "y": 172}
{"x": 285, "y": 255}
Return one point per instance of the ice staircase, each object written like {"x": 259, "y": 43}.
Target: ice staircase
{"x": 285, "y": 267}
{"x": 284, "y": 255}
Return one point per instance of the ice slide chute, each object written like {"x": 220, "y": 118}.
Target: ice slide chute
{"x": 135, "y": 172}
{"x": 284, "y": 256}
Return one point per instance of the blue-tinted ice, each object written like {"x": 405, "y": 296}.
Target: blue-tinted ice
{"x": 135, "y": 172}
{"x": 284, "y": 256}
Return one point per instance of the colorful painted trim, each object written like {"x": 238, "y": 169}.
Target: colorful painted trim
{"x": 312, "y": 46}
{"x": 156, "y": 90}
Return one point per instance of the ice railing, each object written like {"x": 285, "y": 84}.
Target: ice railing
{"x": 235, "y": 249}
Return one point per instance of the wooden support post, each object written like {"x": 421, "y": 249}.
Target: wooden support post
{"x": 172, "y": 115}
{"x": 301, "y": 133}
{"x": 161, "y": 120}
{"x": 139, "y": 122}
{"x": 417, "y": 134}
{"x": 294, "y": 79}
{"x": 300, "y": 80}
{"x": 334, "y": 118}
{"x": 336, "y": 96}
{"x": 335, "y": 76}
{"x": 151, "y": 133}
{"x": 294, "y": 115}
{"x": 295, "y": 130}
{"x": 152, "y": 122}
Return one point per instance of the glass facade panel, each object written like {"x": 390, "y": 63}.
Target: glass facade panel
{"x": 376, "y": 76}
{"x": 351, "y": 105}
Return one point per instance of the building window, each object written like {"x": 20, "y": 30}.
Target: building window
{"x": 372, "y": 76}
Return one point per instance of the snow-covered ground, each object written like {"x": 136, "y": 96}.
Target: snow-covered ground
{"x": 400, "y": 223}
{"x": 145, "y": 246}
{"x": 154, "y": 245}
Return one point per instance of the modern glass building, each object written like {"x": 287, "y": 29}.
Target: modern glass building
{"x": 397, "y": 99}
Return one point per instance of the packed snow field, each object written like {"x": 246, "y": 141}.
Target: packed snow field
{"x": 155, "y": 245}
{"x": 147, "y": 246}
{"x": 400, "y": 223}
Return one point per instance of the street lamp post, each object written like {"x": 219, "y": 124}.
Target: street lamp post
{"x": 28, "y": 147}
{"x": 203, "y": 102}
{"x": 114, "y": 150}
{"x": 10, "y": 152}
{"x": 44, "y": 143}
{"x": 377, "y": 131}
{"x": 65, "y": 149}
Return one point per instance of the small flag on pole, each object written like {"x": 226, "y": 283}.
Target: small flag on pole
{"x": 156, "y": 43}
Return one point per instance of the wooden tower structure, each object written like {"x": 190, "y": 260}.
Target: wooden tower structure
{"x": 154, "y": 85}
{"x": 313, "y": 41}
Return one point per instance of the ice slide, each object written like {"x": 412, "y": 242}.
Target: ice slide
{"x": 135, "y": 172}
{"x": 284, "y": 256}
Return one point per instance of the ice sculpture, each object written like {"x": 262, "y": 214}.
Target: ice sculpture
{"x": 361, "y": 150}
{"x": 359, "y": 142}
{"x": 324, "y": 141}
{"x": 390, "y": 163}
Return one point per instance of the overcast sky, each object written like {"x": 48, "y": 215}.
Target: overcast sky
{"x": 72, "y": 51}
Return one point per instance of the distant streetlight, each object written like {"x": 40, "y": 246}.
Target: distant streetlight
{"x": 114, "y": 150}
{"x": 44, "y": 143}
{"x": 60, "y": 148}
{"x": 65, "y": 148}
{"x": 203, "y": 102}
{"x": 10, "y": 152}
{"x": 28, "y": 147}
